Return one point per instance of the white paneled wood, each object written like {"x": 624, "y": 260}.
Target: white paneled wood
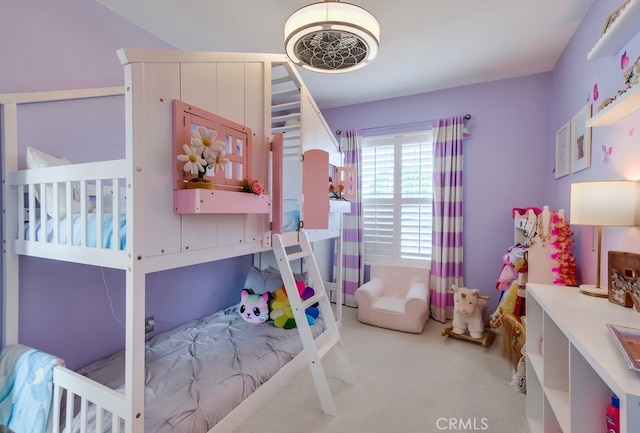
{"x": 137, "y": 154}
{"x": 255, "y": 227}
{"x": 231, "y": 91}
{"x": 199, "y": 85}
{"x": 231, "y": 230}
{"x": 153, "y": 129}
{"x": 315, "y": 131}
{"x": 309, "y": 120}
{"x": 256, "y": 116}
{"x": 199, "y": 231}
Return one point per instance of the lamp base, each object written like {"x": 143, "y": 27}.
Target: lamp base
{"x": 592, "y": 290}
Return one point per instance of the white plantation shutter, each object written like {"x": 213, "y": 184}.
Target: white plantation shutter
{"x": 397, "y": 197}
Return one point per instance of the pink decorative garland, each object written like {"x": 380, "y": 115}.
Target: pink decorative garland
{"x": 562, "y": 252}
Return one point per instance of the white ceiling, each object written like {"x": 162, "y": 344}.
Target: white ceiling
{"x": 426, "y": 45}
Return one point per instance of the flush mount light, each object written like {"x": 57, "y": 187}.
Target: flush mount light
{"x": 331, "y": 37}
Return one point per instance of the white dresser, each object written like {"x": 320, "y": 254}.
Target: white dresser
{"x": 573, "y": 364}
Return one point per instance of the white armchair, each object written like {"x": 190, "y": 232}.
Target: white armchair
{"x": 395, "y": 297}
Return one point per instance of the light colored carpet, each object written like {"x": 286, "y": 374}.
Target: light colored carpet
{"x": 405, "y": 383}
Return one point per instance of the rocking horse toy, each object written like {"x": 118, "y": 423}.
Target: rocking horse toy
{"x": 470, "y": 317}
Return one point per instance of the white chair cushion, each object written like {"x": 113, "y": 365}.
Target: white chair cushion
{"x": 389, "y": 305}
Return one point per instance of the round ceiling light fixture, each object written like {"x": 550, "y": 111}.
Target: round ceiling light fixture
{"x": 331, "y": 37}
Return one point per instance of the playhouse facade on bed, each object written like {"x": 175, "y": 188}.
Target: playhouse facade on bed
{"x": 262, "y": 92}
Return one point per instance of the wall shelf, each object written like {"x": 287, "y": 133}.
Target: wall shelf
{"x": 623, "y": 106}
{"x": 619, "y": 33}
{"x": 207, "y": 201}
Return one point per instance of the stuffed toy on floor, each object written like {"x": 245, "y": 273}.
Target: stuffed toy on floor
{"x": 469, "y": 312}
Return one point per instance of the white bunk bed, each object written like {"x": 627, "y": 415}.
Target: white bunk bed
{"x": 237, "y": 86}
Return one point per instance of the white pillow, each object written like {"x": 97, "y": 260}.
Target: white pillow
{"x": 38, "y": 159}
{"x": 263, "y": 280}
{"x": 107, "y": 204}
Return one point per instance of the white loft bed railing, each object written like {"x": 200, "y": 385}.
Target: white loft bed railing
{"x": 20, "y": 233}
{"x": 30, "y": 237}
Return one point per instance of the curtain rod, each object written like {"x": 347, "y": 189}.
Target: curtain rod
{"x": 410, "y": 124}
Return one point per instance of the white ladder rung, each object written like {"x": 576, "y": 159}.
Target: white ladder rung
{"x": 298, "y": 255}
{"x": 325, "y": 348}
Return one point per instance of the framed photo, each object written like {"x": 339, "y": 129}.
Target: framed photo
{"x": 611, "y": 18}
{"x": 580, "y": 138}
{"x": 563, "y": 161}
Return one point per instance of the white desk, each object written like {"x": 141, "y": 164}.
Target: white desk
{"x": 573, "y": 365}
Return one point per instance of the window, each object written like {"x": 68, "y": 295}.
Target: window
{"x": 397, "y": 196}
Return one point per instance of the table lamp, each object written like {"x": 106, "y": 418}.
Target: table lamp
{"x": 605, "y": 203}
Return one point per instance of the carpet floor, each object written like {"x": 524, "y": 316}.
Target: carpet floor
{"x": 405, "y": 383}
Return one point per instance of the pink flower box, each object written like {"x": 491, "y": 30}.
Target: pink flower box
{"x": 193, "y": 201}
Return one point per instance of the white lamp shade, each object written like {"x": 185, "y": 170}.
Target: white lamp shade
{"x": 606, "y": 203}
{"x": 340, "y": 19}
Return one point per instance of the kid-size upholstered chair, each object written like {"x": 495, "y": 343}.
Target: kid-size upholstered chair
{"x": 396, "y": 297}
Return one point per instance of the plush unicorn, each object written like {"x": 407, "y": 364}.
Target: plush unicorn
{"x": 469, "y": 311}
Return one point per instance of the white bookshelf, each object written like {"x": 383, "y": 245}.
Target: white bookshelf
{"x": 573, "y": 365}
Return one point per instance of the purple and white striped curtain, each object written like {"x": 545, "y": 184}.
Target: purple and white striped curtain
{"x": 446, "y": 244}
{"x": 352, "y": 231}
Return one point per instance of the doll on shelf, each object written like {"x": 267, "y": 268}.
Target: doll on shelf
{"x": 514, "y": 300}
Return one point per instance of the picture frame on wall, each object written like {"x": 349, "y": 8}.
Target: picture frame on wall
{"x": 580, "y": 139}
{"x": 563, "y": 160}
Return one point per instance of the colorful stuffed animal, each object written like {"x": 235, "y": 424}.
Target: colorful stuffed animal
{"x": 281, "y": 312}
{"x": 469, "y": 311}
{"x": 254, "y": 308}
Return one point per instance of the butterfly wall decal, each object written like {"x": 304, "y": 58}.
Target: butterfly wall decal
{"x": 606, "y": 153}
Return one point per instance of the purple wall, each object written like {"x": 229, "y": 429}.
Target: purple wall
{"x": 503, "y": 157}
{"x": 71, "y": 44}
{"x": 509, "y": 158}
{"x": 572, "y": 84}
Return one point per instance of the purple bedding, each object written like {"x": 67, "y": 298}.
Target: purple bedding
{"x": 197, "y": 373}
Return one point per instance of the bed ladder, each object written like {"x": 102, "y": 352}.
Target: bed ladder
{"x": 287, "y": 248}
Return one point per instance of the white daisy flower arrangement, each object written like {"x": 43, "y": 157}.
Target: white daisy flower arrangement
{"x": 204, "y": 153}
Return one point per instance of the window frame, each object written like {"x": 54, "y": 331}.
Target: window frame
{"x": 397, "y": 202}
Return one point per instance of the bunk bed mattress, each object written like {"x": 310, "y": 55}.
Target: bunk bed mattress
{"x": 107, "y": 230}
{"x": 197, "y": 373}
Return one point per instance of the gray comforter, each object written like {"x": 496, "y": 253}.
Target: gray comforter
{"x": 197, "y": 373}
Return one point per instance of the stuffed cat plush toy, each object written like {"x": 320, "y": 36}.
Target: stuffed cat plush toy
{"x": 254, "y": 308}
